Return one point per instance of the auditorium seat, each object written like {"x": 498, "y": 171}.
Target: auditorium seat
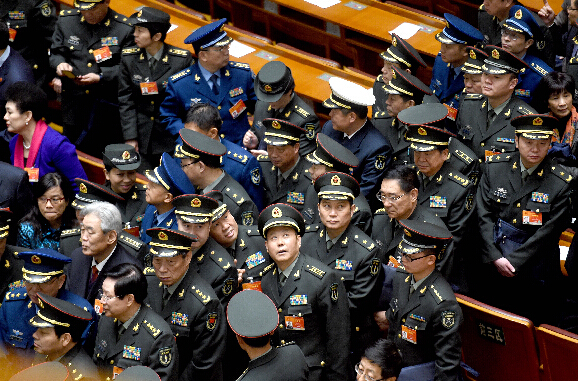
{"x": 558, "y": 353}
{"x": 326, "y": 61}
{"x": 94, "y": 169}
{"x": 500, "y": 346}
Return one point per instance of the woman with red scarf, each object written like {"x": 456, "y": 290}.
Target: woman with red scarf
{"x": 37, "y": 148}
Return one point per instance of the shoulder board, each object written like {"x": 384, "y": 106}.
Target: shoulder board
{"x": 498, "y": 158}
{"x": 131, "y": 241}
{"x": 463, "y": 156}
{"x": 220, "y": 261}
{"x": 178, "y": 52}
{"x": 481, "y": 8}
{"x": 364, "y": 241}
{"x": 263, "y": 158}
{"x": 199, "y": 294}
{"x": 149, "y": 271}
{"x": 69, "y": 232}
{"x": 524, "y": 111}
{"x": 311, "y": 228}
{"x": 573, "y": 60}
{"x": 241, "y": 158}
{"x": 121, "y": 19}
{"x": 130, "y": 50}
{"x": 315, "y": 271}
{"x": 18, "y": 293}
{"x": 473, "y": 96}
{"x": 140, "y": 187}
{"x": 180, "y": 74}
{"x": 239, "y": 65}
{"x": 381, "y": 114}
{"x": 379, "y": 78}
{"x": 562, "y": 173}
{"x": 286, "y": 344}
{"x": 253, "y": 232}
{"x": 151, "y": 328}
{"x": 459, "y": 178}
{"x": 267, "y": 269}
{"x": 435, "y": 293}
{"x": 539, "y": 69}
{"x": 301, "y": 112}
{"x": 380, "y": 211}
{"x": 70, "y": 12}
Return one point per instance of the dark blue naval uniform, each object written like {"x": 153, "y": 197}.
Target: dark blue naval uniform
{"x": 189, "y": 87}
{"x": 148, "y": 221}
{"x": 446, "y": 90}
{"x": 529, "y": 78}
{"x": 16, "y": 312}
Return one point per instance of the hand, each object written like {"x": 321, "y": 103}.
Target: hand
{"x": 250, "y": 140}
{"x": 257, "y": 152}
{"x": 547, "y": 14}
{"x": 504, "y": 267}
{"x": 87, "y": 79}
{"x": 132, "y": 142}
{"x": 381, "y": 320}
{"x": 56, "y": 85}
{"x": 240, "y": 273}
{"x": 63, "y": 66}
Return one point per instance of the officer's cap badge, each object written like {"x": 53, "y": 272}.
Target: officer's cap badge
{"x": 537, "y": 121}
{"x": 421, "y": 131}
{"x": 35, "y": 259}
{"x": 276, "y": 124}
{"x": 276, "y": 213}
{"x": 518, "y": 14}
{"x": 495, "y": 54}
{"x": 472, "y": 54}
{"x": 267, "y": 88}
{"x": 394, "y": 41}
{"x": 82, "y": 188}
{"x": 393, "y": 75}
{"x": 163, "y": 236}
{"x": 406, "y": 232}
{"x": 139, "y": 14}
{"x": 195, "y": 203}
{"x": 126, "y": 155}
{"x": 335, "y": 180}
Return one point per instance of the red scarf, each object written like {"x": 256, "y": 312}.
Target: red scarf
{"x": 37, "y": 137}
{"x": 571, "y": 125}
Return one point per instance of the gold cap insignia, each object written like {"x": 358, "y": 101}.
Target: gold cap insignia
{"x": 472, "y": 54}
{"x": 406, "y": 232}
{"x": 139, "y": 14}
{"x": 394, "y": 41}
{"x": 196, "y": 203}
{"x": 82, "y": 188}
{"x": 267, "y": 88}
{"x": 163, "y": 236}
{"x": 393, "y": 74}
{"x": 537, "y": 121}
{"x": 40, "y": 304}
{"x": 276, "y": 213}
{"x": 335, "y": 180}
{"x": 495, "y": 54}
{"x": 276, "y": 124}
{"x": 126, "y": 155}
{"x": 421, "y": 131}
{"x": 222, "y": 28}
{"x": 518, "y": 14}
{"x": 35, "y": 259}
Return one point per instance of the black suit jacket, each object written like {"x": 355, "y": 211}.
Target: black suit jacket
{"x": 80, "y": 270}
{"x": 15, "y": 192}
{"x": 286, "y": 362}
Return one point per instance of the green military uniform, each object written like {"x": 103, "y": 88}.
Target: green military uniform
{"x": 250, "y": 252}
{"x": 394, "y": 132}
{"x": 380, "y": 96}
{"x": 133, "y": 205}
{"x": 292, "y": 190}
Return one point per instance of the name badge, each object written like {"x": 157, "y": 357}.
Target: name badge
{"x": 102, "y": 54}
{"x": 393, "y": 262}
{"x": 149, "y": 88}
{"x": 237, "y": 109}
{"x": 408, "y": 334}
{"x": 98, "y": 307}
{"x": 452, "y": 112}
{"x": 531, "y": 218}
{"x": 295, "y": 198}
{"x": 33, "y": 174}
{"x": 437, "y": 202}
{"x": 487, "y": 154}
{"x": 540, "y": 197}
{"x": 252, "y": 286}
{"x": 295, "y": 323}
{"x": 342, "y": 264}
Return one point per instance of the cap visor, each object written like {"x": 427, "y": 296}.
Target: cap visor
{"x": 491, "y": 69}
{"x": 329, "y": 104}
{"x": 421, "y": 147}
{"x": 444, "y": 40}
{"x": 310, "y": 158}
{"x": 38, "y": 322}
{"x": 84, "y": 6}
{"x": 267, "y": 97}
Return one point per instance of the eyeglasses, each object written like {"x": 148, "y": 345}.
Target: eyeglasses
{"x": 361, "y": 372}
{"x": 218, "y": 50}
{"x": 511, "y": 35}
{"x": 53, "y": 200}
{"x": 186, "y": 165}
{"x": 406, "y": 256}
{"x": 104, "y": 298}
{"x": 383, "y": 198}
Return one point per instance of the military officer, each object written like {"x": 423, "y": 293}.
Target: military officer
{"x": 519, "y": 32}
{"x": 424, "y": 315}
{"x": 120, "y": 164}
{"x": 187, "y": 303}
{"x": 201, "y": 159}
{"x": 484, "y": 119}
{"x": 350, "y": 127}
{"x": 129, "y": 332}
{"x": 10, "y": 264}
{"x": 43, "y": 271}
{"x": 143, "y": 77}
{"x": 523, "y": 207}
{"x": 332, "y": 156}
{"x": 90, "y": 192}
{"x": 85, "y": 52}
{"x": 348, "y": 251}
{"x": 473, "y": 70}
{"x": 447, "y": 80}
{"x": 310, "y": 297}
{"x": 285, "y": 175}
{"x": 210, "y": 260}
{"x": 213, "y": 79}
{"x": 167, "y": 181}
{"x": 59, "y": 325}
{"x": 403, "y": 91}
{"x": 237, "y": 162}
{"x": 276, "y": 98}
{"x": 401, "y": 55}
{"x": 253, "y": 318}
{"x": 31, "y": 24}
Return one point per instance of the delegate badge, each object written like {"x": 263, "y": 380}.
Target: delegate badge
{"x": 295, "y": 323}
{"x": 116, "y": 371}
{"x": 149, "y": 88}
{"x": 531, "y": 218}
{"x": 33, "y": 174}
{"x": 408, "y": 334}
{"x": 98, "y": 306}
{"x": 102, "y": 54}
{"x": 237, "y": 109}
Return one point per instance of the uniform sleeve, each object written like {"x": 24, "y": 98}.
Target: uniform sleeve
{"x": 251, "y": 96}
{"x": 447, "y": 319}
{"x": 252, "y": 182}
{"x": 363, "y": 219}
{"x": 171, "y": 110}
{"x": 164, "y": 357}
{"x": 309, "y": 145}
{"x": 365, "y": 281}
{"x": 485, "y": 221}
{"x": 372, "y": 171}
{"x": 44, "y": 25}
{"x": 57, "y": 49}
{"x": 127, "y": 100}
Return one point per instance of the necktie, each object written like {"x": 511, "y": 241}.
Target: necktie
{"x": 94, "y": 274}
{"x": 329, "y": 244}
{"x": 282, "y": 279}
{"x": 152, "y": 63}
{"x": 166, "y": 296}
{"x": 279, "y": 180}
{"x": 120, "y": 331}
{"x": 491, "y": 116}
{"x": 213, "y": 79}
{"x": 525, "y": 175}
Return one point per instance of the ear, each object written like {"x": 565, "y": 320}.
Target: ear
{"x": 202, "y": 166}
{"x": 352, "y": 208}
{"x": 213, "y": 133}
{"x": 168, "y": 197}
{"x": 431, "y": 260}
{"x": 298, "y": 239}
{"x": 528, "y": 43}
{"x": 129, "y": 299}
{"x": 28, "y": 116}
{"x": 157, "y": 36}
{"x": 446, "y": 153}
{"x": 106, "y": 174}
{"x": 516, "y": 140}
{"x": 61, "y": 280}
{"x": 513, "y": 83}
{"x": 296, "y": 148}
{"x": 111, "y": 237}
{"x": 65, "y": 339}
{"x": 413, "y": 194}
{"x": 410, "y": 103}
{"x": 408, "y": 71}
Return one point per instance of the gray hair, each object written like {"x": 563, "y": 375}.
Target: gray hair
{"x": 109, "y": 215}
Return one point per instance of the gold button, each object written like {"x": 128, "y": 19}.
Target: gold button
{"x": 356, "y": 329}
{"x": 222, "y": 136}
{"x": 219, "y": 107}
{"x": 98, "y": 355}
{"x": 537, "y": 210}
{"x": 280, "y": 309}
{"x": 282, "y": 342}
{"x": 342, "y": 278}
{"x": 498, "y": 200}
{"x": 482, "y": 144}
{"x": 35, "y": 66}
{"x": 152, "y": 118}
{"x": 90, "y": 51}
{"x": 403, "y": 320}
{"x": 152, "y": 102}
{"x": 514, "y": 221}
{"x": 399, "y": 335}
{"x": 281, "y": 326}
{"x": 111, "y": 362}
{"x": 480, "y": 160}
{"x": 322, "y": 363}
{"x": 108, "y": 379}
{"x": 518, "y": 205}
{"x": 89, "y": 64}
{"x": 86, "y": 91}
{"x": 72, "y": 48}
{"x": 503, "y": 150}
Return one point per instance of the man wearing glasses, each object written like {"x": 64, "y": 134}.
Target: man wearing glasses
{"x": 212, "y": 79}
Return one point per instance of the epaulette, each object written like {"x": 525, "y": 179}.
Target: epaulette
{"x": 178, "y": 52}
{"x": 239, "y": 65}
{"x": 149, "y": 328}
{"x": 70, "y": 12}
{"x": 301, "y": 112}
{"x": 311, "y": 228}
{"x": 459, "y": 179}
{"x": 364, "y": 241}
{"x": 267, "y": 269}
{"x": 524, "y": 110}
{"x": 131, "y": 241}
{"x": 561, "y": 173}
{"x": 263, "y": 158}
{"x": 204, "y": 298}
{"x": 315, "y": 271}
{"x": 463, "y": 156}
{"x": 380, "y": 211}
{"x": 149, "y": 271}
{"x": 220, "y": 261}
{"x": 16, "y": 294}
{"x": 241, "y": 158}
{"x": 130, "y": 50}
{"x": 180, "y": 75}
{"x": 69, "y": 232}
{"x": 122, "y": 19}
{"x": 381, "y": 114}
{"x": 286, "y": 344}
{"x": 473, "y": 96}
{"x": 498, "y": 158}
{"x": 539, "y": 69}
{"x": 234, "y": 196}
{"x": 379, "y": 78}
{"x": 436, "y": 295}
{"x": 253, "y": 232}
{"x": 573, "y": 60}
